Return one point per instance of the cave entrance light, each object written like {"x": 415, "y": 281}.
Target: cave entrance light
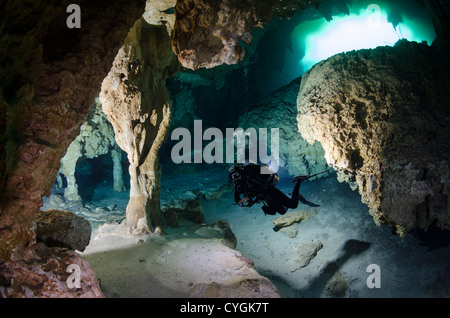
{"x": 365, "y": 28}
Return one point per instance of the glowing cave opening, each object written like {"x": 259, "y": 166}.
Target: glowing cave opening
{"x": 364, "y": 28}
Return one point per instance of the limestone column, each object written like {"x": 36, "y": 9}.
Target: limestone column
{"x": 137, "y": 104}
{"x": 116, "y": 156}
{"x": 68, "y": 165}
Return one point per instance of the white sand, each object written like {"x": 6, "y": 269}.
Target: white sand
{"x": 351, "y": 242}
{"x": 170, "y": 267}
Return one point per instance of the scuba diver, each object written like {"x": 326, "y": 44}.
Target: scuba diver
{"x": 248, "y": 180}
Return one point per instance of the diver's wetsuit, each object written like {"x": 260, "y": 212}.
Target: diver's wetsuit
{"x": 275, "y": 200}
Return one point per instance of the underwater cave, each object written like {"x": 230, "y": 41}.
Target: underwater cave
{"x": 225, "y": 149}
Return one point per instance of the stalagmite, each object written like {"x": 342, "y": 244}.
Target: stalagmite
{"x": 68, "y": 165}
{"x": 138, "y": 106}
{"x": 116, "y": 155}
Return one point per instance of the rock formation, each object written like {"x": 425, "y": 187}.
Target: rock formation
{"x": 51, "y": 76}
{"x": 157, "y": 12}
{"x": 381, "y": 116}
{"x": 63, "y": 229}
{"x": 221, "y": 229}
{"x": 244, "y": 288}
{"x": 293, "y": 217}
{"x": 337, "y": 286}
{"x": 181, "y": 199}
{"x": 96, "y": 138}
{"x": 46, "y": 275}
{"x": 186, "y": 264}
{"x": 207, "y": 33}
{"x": 279, "y": 110}
{"x": 304, "y": 253}
{"x": 52, "y": 73}
{"x": 137, "y": 104}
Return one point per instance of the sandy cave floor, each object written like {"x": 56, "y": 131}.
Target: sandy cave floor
{"x": 149, "y": 266}
{"x": 351, "y": 242}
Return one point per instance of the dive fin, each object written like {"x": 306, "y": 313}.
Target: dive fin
{"x": 304, "y": 201}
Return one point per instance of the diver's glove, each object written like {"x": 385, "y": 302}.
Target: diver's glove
{"x": 246, "y": 202}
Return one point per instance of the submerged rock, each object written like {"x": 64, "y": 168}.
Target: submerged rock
{"x": 337, "y": 286}
{"x": 182, "y": 199}
{"x": 188, "y": 207}
{"x": 304, "y": 254}
{"x": 221, "y": 229}
{"x": 63, "y": 229}
{"x": 290, "y": 231}
{"x": 242, "y": 280}
{"x": 381, "y": 116}
{"x": 248, "y": 288}
{"x": 180, "y": 267}
{"x": 293, "y": 217}
{"x": 229, "y": 239}
{"x": 49, "y": 276}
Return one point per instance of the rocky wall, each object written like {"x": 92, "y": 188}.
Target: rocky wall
{"x": 279, "y": 110}
{"x": 96, "y": 138}
{"x": 207, "y": 33}
{"x": 382, "y": 117}
{"x": 51, "y": 75}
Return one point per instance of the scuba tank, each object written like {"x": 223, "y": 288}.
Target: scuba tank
{"x": 248, "y": 177}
